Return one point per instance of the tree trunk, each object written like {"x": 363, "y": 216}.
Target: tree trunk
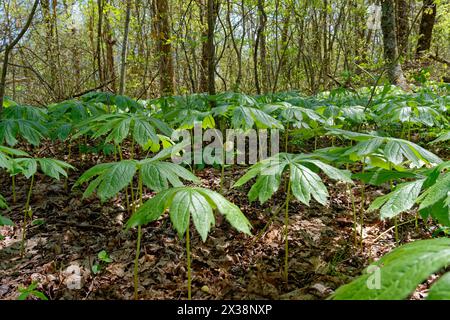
{"x": 110, "y": 71}
{"x": 164, "y": 47}
{"x": 212, "y": 15}
{"x": 99, "y": 41}
{"x": 8, "y": 50}
{"x": 260, "y": 44}
{"x": 394, "y": 69}
{"x": 426, "y": 27}
{"x": 51, "y": 53}
{"x": 203, "y": 85}
{"x": 124, "y": 49}
{"x": 402, "y": 26}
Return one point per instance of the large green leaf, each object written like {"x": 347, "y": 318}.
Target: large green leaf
{"x": 304, "y": 182}
{"x": 264, "y": 187}
{"x": 436, "y": 192}
{"x": 180, "y": 210}
{"x": 113, "y": 177}
{"x": 400, "y": 271}
{"x": 186, "y": 202}
{"x": 441, "y": 289}
{"x": 401, "y": 199}
{"x": 379, "y": 176}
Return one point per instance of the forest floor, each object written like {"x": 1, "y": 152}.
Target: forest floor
{"x": 229, "y": 265}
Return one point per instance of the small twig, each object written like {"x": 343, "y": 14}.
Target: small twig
{"x": 82, "y": 225}
{"x": 400, "y": 224}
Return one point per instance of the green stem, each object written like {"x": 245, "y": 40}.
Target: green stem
{"x": 140, "y": 192}
{"x": 188, "y": 256}
{"x": 260, "y": 234}
{"x": 355, "y": 219}
{"x": 13, "y": 178}
{"x": 136, "y": 263}
{"x": 222, "y": 173}
{"x": 363, "y": 187}
{"x": 70, "y": 152}
{"x": 126, "y": 189}
{"x": 286, "y": 138}
{"x": 25, "y": 215}
{"x": 66, "y": 182}
{"x": 396, "y": 230}
{"x": 391, "y": 184}
{"x": 138, "y": 245}
{"x": 416, "y": 221}
{"x": 409, "y": 131}
{"x": 286, "y": 225}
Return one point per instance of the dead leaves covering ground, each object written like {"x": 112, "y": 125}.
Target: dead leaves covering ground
{"x": 61, "y": 251}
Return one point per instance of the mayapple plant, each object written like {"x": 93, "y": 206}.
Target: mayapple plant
{"x": 6, "y": 156}
{"x": 374, "y": 151}
{"x": 28, "y": 167}
{"x": 155, "y": 174}
{"x": 4, "y": 221}
{"x": 303, "y": 183}
{"x": 434, "y": 184}
{"x": 118, "y": 126}
{"x": 186, "y": 204}
{"x": 295, "y": 116}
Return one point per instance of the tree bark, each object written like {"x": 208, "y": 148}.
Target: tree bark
{"x": 100, "y": 40}
{"x": 402, "y": 25}
{"x": 211, "y": 49}
{"x": 391, "y": 57}
{"x": 426, "y": 27}
{"x": 110, "y": 71}
{"x": 8, "y": 50}
{"x": 164, "y": 47}
{"x": 125, "y": 49}
{"x": 260, "y": 44}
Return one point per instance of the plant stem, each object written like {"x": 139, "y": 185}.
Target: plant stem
{"x": 188, "y": 256}
{"x": 363, "y": 186}
{"x": 286, "y": 225}
{"x": 222, "y": 173}
{"x": 260, "y": 234}
{"x": 136, "y": 263}
{"x": 388, "y": 230}
{"x": 13, "y": 178}
{"x": 140, "y": 189}
{"x": 416, "y": 221}
{"x": 286, "y": 138}
{"x": 126, "y": 189}
{"x": 70, "y": 152}
{"x": 396, "y": 229}
{"x": 391, "y": 184}
{"x": 138, "y": 245}
{"x": 25, "y": 214}
{"x": 355, "y": 219}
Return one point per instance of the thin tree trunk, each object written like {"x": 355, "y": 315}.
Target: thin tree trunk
{"x": 402, "y": 25}
{"x": 164, "y": 47}
{"x": 394, "y": 70}
{"x": 211, "y": 49}
{"x": 426, "y": 27}
{"x": 99, "y": 40}
{"x": 110, "y": 71}
{"x": 8, "y": 50}
{"x": 260, "y": 45}
{"x": 125, "y": 49}
{"x": 203, "y": 87}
